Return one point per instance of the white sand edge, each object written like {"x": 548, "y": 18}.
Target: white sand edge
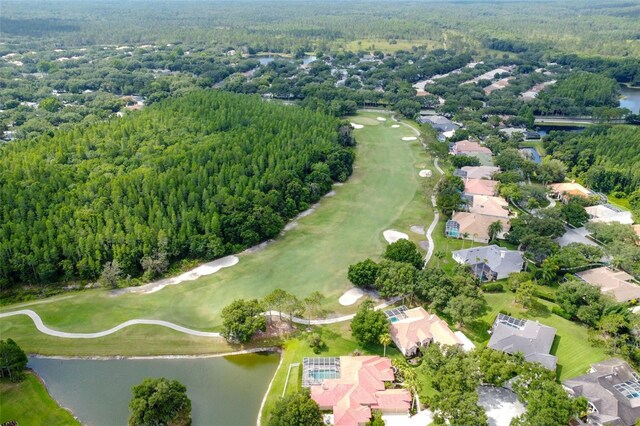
{"x": 425, "y": 173}
{"x": 350, "y": 296}
{"x": 381, "y": 119}
{"x": 395, "y": 126}
{"x": 356, "y": 125}
{"x": 409, "y": 138}
{"x": 201, "y": 271}
{"x": 392, "y": 236}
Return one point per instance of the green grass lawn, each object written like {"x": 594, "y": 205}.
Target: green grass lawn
{"x": 384, "y": 192}
{"x": 572, "y": 347}
{"x": 29, "y": 403}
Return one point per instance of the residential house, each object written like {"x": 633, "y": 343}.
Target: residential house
{"x": 358, "y": 389}
{"x": 612, "y": 388}
{"x": 606, "y": 213}
{"x": 480, "y": 187}
{"x": 472, "y": 149}
{"x": 474, "y": 226}
{"x": 438, "y": 122}
{"x": 477, "y": 172}
{"x": 530, "y": 338}
{"x": 489, "y": 206}
{"x": 490, "y": 262}
{"x": 498, "y": 85}
{"x": 567, "y": 190}
{"x": 412, "y": 329}
{"x": 617, "y": 284}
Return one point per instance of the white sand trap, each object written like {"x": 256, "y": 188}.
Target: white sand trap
{"x": 330, "y": 194}
{"x": 350, "y": 296}
{"x": 425, "y": 173}
{"x": 417, "y": 230}
{"x": 392, "y": 236}
{"x": 202, "y": 270}
{"x": 357, "y": 126}
{"x": 381, "y": 119}
{"x": 409, "y": 138}
{"x": 395, "y": 126}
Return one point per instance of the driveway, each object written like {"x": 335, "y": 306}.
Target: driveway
{"x": 577, "y": 235}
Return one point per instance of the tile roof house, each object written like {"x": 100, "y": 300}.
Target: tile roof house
{"x": 618, "y": 284}
{"x": 612, "y": 388}
{"x": 530, "y": 338}
{"x": 564, "y": 191}
{"x": 480, "y": 186}
{"x": 490, "y": 262}
{"x": 467, "y": 147}
{"x": 606, "y": 213}
{"x": 489, "y": 206}
{"x": 360, "y": 389}
{"x": 418, "y": 329}
{"x": 477, "y": 172}
{"x": 475, "y": 225}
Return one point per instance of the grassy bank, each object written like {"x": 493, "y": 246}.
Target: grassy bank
{"x": 29, "y": 403}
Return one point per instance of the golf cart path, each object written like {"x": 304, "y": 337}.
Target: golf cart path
{"x": 65, "y": 335}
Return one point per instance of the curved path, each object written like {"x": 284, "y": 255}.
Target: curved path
{"x": 435, "y": 163}
{"x": 46, "y": 330}
{"x": 65, "y": 335}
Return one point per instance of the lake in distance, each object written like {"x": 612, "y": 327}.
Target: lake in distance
{"x": 224, "y": 391}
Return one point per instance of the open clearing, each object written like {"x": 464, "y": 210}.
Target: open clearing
{"x": 383, "y": 192}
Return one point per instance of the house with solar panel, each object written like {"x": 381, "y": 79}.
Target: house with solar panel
{"x": 530, "y": 338}
{"x": 612, "y": 388}
{"x": 351, "y": 386}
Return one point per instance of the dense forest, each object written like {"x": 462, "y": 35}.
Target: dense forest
{"x": 199, "y": 176}
{"x": 606, "y": 28}
{"x": 605, "y": 157}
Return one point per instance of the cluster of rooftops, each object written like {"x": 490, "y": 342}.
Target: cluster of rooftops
{"x": 352, "y": 386}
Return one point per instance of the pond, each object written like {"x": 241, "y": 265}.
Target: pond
{"x": 630, "y": 99}
{"x": 223, "y": 391}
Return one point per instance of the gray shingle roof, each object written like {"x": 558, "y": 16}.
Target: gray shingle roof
{"x": 599, "y": 387}
{"x": 501, "y": 261}
{"x": 532, "y": 339}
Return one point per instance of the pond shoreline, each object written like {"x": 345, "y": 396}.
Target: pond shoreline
{"x": 269, "y": 349}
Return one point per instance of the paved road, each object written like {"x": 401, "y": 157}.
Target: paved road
{"x": 46, "y": 330}
{"x": 65, "y": 335}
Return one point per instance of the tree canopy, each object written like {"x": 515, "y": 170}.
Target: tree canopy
{"x": 242, "y": 319}
{"x": 159, "y": 402}
{"x": 297, "y": 409}
{"x": 209, "y": 173}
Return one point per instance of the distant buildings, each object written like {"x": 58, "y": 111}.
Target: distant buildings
{"x": 565, "y": 191}
{"x": 412, "y": 329}
{"x": 477, "y": 172}
{"x": 358, "y": 384}
{"x": 530, "y": 338}
{"x": 491, "y": 262}
{"x": 480, "y": 187}
{"x": 617, "y": 284}
{"x": 532, "y": 93}
{"x": 612, "y": 388}
{"x": 498, "y": 85}
{"x": 607, "y": 213}
{"x": 472, "y": 149}
{"x": 473, "y": 226}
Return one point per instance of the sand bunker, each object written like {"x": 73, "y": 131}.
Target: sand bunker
{"x": 357, "y": 126}
{"x": 350, "y": 296}
{"x": 417, "y": 230}
{"x": 409, "y": 138}
{"x": 202, "y": 270}
{"x": 395, "y": 126}
{"x": 392, "y": 236}
{"x": 425, "y": 173}
{"x": 381, "y": 119}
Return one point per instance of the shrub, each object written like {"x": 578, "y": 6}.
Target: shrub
{"x": 560, "y": 312}
{"x": 493, "y": 288}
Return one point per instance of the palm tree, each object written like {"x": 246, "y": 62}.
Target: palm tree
{"x": 385, "y": 339}
{"x": 439, "y": 255}
{"x": 494, "y": 230}
{"x": 465, "y": 235}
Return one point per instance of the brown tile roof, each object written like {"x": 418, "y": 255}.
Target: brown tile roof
{"x": 419, "y": 329}
{"x": 617, "y": 283}
{"x": 480, "y": 186}
{"x": 466, "y": 147}
{"x": 477, "y": 225}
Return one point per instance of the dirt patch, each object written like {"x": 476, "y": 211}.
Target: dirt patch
{"x": 424, "y": 245}
{"x": 417, "y": 230}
